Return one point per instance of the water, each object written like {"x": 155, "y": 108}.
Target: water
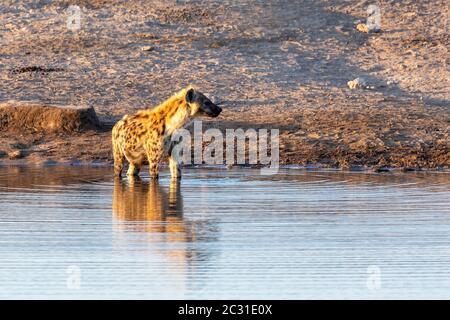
{"x": 76, "y": 233}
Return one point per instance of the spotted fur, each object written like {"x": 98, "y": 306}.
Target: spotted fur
{"x": 147, "y": 134}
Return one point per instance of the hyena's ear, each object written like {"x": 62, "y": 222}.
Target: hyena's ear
{"x": 190, "y": 95}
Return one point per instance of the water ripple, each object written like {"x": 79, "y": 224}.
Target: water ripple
{"x": 224, "y": 234}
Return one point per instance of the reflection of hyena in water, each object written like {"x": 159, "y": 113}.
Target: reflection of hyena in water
{"x": 147, "y": 207}
{"x": 147, "y": 134}
{"x": 148, "y": 201}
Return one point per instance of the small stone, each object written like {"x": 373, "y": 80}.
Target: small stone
{"x": 357, "y": 83}
{"x": 362, "y": 27}
{"x": 313, "y": 135}
{"x": 381, "y": 169}
{"x": 410, "y": 169}
{"x": 147, "y": 48}
{"x": 16, "y": 154}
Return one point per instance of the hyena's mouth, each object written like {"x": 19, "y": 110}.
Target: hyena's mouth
{"x": 214, "y": 113}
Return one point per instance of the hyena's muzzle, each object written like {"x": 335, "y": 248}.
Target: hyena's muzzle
{"x": 210, "y": 109}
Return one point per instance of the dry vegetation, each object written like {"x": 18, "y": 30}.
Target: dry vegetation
{"x": 281, "y": 64}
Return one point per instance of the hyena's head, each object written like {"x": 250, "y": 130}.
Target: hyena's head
{"x": 200, "y": 104}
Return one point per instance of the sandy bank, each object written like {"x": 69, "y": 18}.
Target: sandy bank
{"x": 272, "y": 64}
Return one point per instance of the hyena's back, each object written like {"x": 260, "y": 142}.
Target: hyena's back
{"x": 130, "y": 134}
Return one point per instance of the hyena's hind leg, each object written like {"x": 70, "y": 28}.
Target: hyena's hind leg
{"x": 154, "y": 150}
{"x": 135, "y": 165}
{"x": 117, "y": 143}
{"x": 118, "y": 160}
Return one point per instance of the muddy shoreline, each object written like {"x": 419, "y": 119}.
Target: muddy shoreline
{"x": 408, "y": 138}
{"x": 164, "y": 167}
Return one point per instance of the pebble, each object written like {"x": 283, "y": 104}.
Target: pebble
{"x": 381, "y": 169}
{"x": 362, "y": 27}
{"x": 16, "y": 154}
{"x": 147, "y": 48}
{"x": 357, "y": 83}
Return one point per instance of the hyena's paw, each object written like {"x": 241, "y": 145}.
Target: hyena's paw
{"x": 117, "y": 172}
{"x": 132, "y": 171}
{"x": 154, "y": 174}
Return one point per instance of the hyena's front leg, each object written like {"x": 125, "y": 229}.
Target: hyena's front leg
{"x": 175, "y": 168}
{"x": 132, "y": 170}
{"x": 174, "y": 161}
{"x": 154, "y": 151}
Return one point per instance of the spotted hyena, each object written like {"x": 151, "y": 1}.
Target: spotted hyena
{"x": 147, "y": 134}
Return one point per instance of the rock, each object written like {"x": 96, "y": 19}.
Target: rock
{"x": 147, "y": 48}
{"x": 32, "y": 117}
{"x": 410, "y": 169}
{"x": 313, "y": 135}
{"x": 357, "y": 83}
{"x": 381, "y": 169}
{"x": 16, "y": 154}
{"x": 3, "y": 154}
{"x": 362, "y": 27}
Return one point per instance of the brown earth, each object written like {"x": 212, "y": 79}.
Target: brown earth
{"x": 19, "y": 117}
{"x": 272, "y": 64}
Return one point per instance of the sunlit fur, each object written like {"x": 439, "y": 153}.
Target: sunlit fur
{"x": 146, "y": 135}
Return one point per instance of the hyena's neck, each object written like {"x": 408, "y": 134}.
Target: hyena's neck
{"x": 175, "y": 112}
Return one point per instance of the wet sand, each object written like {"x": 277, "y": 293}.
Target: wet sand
{"x": 272, "y": 64}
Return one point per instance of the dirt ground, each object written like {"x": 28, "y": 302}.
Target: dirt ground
{"x": 272, "y": 64}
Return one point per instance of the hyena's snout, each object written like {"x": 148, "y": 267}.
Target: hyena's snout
{"x": 212, "y": 110}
